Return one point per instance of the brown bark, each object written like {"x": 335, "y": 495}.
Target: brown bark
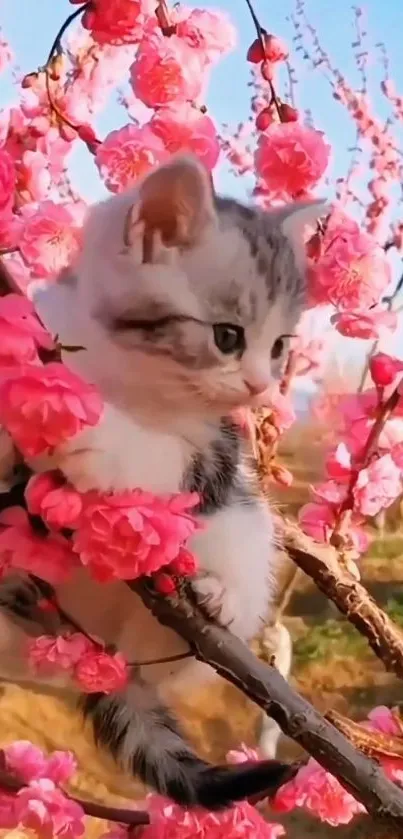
{"x": 265, "y": 686}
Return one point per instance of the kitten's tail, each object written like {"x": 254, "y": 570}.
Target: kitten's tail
{"x": 147, "y": 741}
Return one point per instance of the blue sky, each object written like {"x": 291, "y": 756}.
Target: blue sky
{"x": 30, "y": 27}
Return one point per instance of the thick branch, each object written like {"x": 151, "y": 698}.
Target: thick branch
{"x": 267, "y": 688}
{"x": 322, "y": 564}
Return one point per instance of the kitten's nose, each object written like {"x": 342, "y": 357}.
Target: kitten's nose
{"x": 257, "y": 387}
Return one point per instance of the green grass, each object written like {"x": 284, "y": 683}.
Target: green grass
{"x": 338, "y": 637}
{"x": 333, "y": 637}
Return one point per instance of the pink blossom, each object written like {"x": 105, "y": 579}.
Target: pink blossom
{"x": 29, "y": 763}
{"x": 364, "y": 324}
{"x": 243, "y": 821}
{"x": 101, "y": 672}
{"x": 43, "y": 808}
{"x": 291, "y": 158}
{"x": 132, "y": 533}
{"x": 377, "y": 486}
{"x": 331, "y": 492}
{"x": 272, "y": 50}
{"x": 21, "y": 331}
{"x": 49, "y": 556}
{"x": 58, "y": 503}
{"x": 8, "y": 815}
{"x": 48, "y": 652}
{"x": 397, "y": 454}
{"x": 212, "y": 33}
{"x": 7, "y": 182}
{"x": 318, "y": 521}
{"x": 351, "y": 271}
{"x": 184, "y": 128}
{"x": 319, "y": 793}
{"x": 49, "y": 239}
{"x": 338, "y": 463}
{"x": 118, "y": 21}
{"x": 166, "y": 70}
{"x": 61, "y": 766}
{"x": 383, "y": 720}
{"x": 384, "y": 369}
{"x": 25, "y": 760}
{"x": 242, "y": 755}
{"x": 127, "y": 154}
{"x": 386, "y": 721}
{"x": 42, "y": 407}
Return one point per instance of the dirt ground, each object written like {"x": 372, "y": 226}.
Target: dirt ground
{"x": 333, "y": 668}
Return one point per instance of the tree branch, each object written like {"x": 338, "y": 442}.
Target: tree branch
{"x": 263, "y": 684}
{"x": 322, "y": 564}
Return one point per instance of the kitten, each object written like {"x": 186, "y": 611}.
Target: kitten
{"x": 183, "y": 303}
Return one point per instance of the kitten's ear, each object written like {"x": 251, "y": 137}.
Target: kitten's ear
{"x": 176, "y": 201}
{"x": 298, "y": 221}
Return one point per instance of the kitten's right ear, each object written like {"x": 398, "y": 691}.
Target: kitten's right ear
{"x": 175, "y": 201}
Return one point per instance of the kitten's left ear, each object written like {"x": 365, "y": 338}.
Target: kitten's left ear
{"x": 175, "y": 201}
{"x": 294, "y": 222}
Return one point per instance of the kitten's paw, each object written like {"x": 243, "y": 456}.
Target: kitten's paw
{"x": 214, "y": 599}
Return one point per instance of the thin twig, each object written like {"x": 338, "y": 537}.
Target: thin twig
{"x": 260, "y": 32}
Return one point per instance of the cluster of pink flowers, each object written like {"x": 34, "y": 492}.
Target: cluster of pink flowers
{"x": 349, "y": 270}
{"x": 364, "y": 473}
{"x": 40, "y": 805}
{"x": 86, "y": 661}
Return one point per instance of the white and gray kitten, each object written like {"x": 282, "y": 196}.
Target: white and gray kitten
{"x": 183, "y": 302}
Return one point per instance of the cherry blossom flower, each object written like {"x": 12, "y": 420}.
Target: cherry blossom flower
{"x": 339, "y": 463}
{"x": 184, "y": 128}
{"x": 101, "y": 672}
{"x": 242, "y": 821}
{"x": 209, "y": 32}
{"x": 48, "y": 556}
{"x": 49, "y": 239}
{"x": 21, "y": 332}
{"x": 50, "y": 497}
{"x": 377, "y": 486}
{"x": 42, "y": 808}
{"x": 49, "y": 653}
{"x": 25, "y": 760}
{"x": 386, "y": 721}
{"x": 384, "y": 369}
{"x": 318, "y": 521}
{"x": 351, "y": 272}
{"x": 127, "y": 154}
{"x": 118, "y": 21}
{"x": 7, "y": 182}
{"x": 274, "y": 50}
{"x": 127, "y": 534}
{"x": 29, "y": 762}
{"x": 42, "y": 407}
{"x": 166, "y": 70}
{"x": 364, "y": 324}
{"x": 319, "y": 793}
{"x": 291, "y": 158}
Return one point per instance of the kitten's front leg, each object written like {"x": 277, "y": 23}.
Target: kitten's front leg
{"x": 235, "y": 584}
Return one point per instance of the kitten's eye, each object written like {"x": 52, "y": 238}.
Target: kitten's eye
{"x": 229, "y": 338}
{"x": 277, "y": 349}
